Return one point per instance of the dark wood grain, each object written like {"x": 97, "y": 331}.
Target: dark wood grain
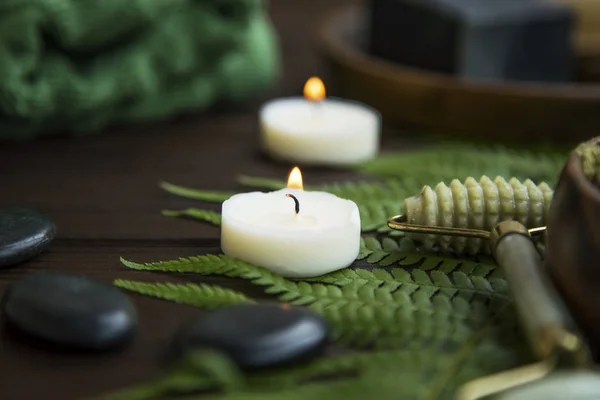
{"x": 102, "y": 193}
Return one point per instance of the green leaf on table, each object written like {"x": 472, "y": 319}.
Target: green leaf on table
{"x": 388, "y": 250}
{"x": 364, "y": 306}
{"x": 436, "y": 331}
{"x": 199, "y": 295}
{"x": 438, "y": 324}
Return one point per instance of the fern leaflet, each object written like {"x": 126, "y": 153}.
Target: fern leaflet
{"x": 362, "y": 311}
{"x": 386, "y": 251}
{"x": 199, "y": 295}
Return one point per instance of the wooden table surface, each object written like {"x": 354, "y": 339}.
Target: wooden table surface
{"x": 102, "y": 193}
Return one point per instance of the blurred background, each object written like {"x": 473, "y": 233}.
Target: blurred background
{"x": 455, "y": 68}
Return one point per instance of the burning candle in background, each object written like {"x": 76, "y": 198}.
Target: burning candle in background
{"x": 317, "y": 130}
{"x": 293, "y": 232}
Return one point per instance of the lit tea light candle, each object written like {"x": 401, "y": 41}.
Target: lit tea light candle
{"x": 316, "y": 130}
{"x": 292, "y": 232}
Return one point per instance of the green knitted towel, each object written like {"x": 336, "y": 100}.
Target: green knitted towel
{"x": 78, "y": 65}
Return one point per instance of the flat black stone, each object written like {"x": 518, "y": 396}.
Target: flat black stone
{"x": 24, "y": 234}
{"x": 256, "y": 335}
{"x": 499, "y": 40}
{"x": 69, "y": 310}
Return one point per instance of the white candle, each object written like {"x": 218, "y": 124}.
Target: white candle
{"x": 264, "y": 229}
{"x": 315, "y": 130}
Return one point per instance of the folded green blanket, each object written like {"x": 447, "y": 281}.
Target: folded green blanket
{"x": 79, "y": 65}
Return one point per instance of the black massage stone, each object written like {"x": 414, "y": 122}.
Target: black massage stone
{"x": 256, "y": 335}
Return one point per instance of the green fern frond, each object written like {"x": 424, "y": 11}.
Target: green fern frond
{"x": 387, "y": 251}
{"x": 210, "y": 196}
{"x": 199, "y": 295}
{"x": 212, "y": 217}
{"x": 433, "y": 282}
{"x": 446, "y": 162}
{"x": 212, "y": 264}
{"x": 368, "y": 284}
{"x": 375, "y": 306}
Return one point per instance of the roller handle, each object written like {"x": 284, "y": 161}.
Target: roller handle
{"x": 546, "y": 320}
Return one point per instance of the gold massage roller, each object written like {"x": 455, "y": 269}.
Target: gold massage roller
{"x": 476, "y": 205}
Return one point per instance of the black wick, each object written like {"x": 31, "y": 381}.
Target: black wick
{"x": 297, "y": 203}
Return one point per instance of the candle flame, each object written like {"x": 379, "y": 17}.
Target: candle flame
{"x": 295, "y": 179}
{"x": 314, "y": 89}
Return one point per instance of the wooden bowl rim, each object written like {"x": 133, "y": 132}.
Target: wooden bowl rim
{"x": 333, "y": 25}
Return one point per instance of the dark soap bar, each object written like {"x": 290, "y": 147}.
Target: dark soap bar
{"x": 524, "y": 40}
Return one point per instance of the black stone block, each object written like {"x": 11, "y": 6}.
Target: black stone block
{"x": 524, "y": 40}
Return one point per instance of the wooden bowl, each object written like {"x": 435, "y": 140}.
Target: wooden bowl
{"x": 573, "y": 246}
{"x": 414, "y": 98}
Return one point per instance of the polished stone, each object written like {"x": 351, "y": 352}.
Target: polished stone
{"x": 256, "y": 335}
{"x": 70, "y": 310}
{"x": 24, "y": 233}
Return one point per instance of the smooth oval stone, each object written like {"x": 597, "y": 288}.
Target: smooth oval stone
{"x": 70, "y": 310}
{"x": 256, "y": 335}
{"x": 583, "y": 385}
{"x": 24, "y": 234}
